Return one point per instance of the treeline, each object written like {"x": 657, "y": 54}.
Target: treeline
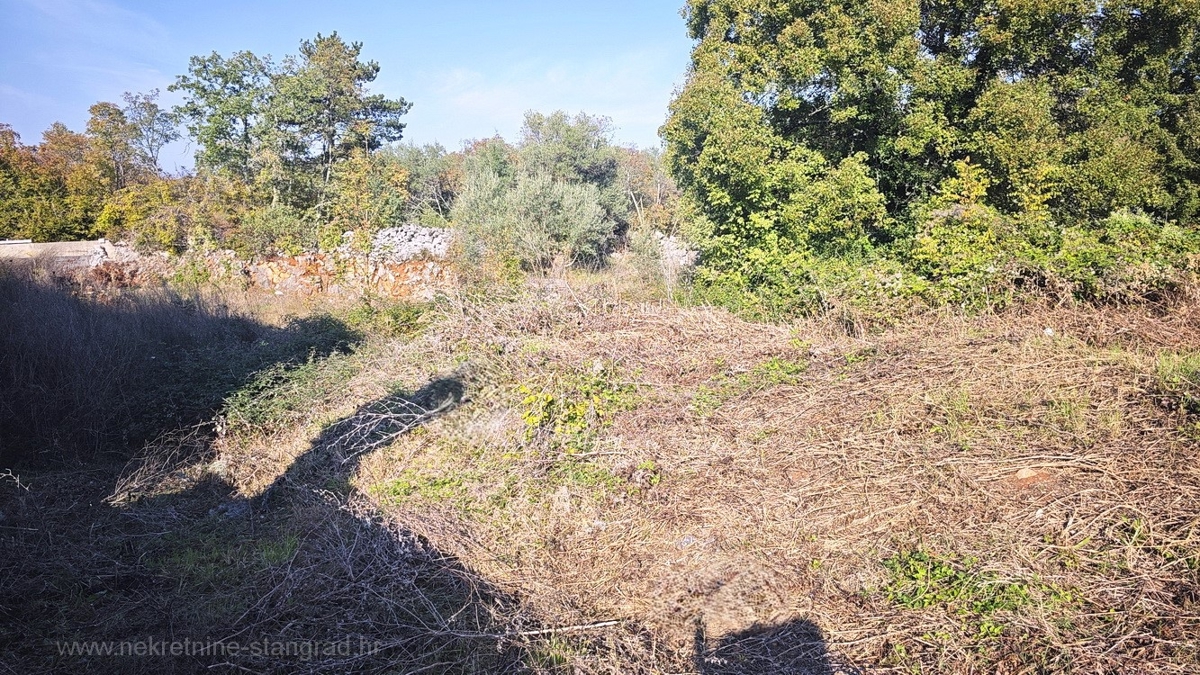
{"x": 299, "y": 155}
{"x": 955, "y": 151}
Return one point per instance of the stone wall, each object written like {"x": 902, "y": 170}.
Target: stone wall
{"x": 404, "y": 262}
{"x": 418, "y": 279}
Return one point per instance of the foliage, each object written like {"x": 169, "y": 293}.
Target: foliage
{"x": 151, "y": 216}
{"x": 568, "y": 413}
{"x": 321, "y": 111}
{"x": 286, "y": 128}
{"x": 153, "y": 126}
{"x": 276, "y": 230}
{"x": 575, "y": 150}
{"x": 977, "y": 144}
{"x": 61, "y": 188}
{"x": 369, "y": 193}
{"x": 651, "y": 191}
{"x": 45, "y": 191}
{"x": 434, "y": 178}
{"x": 224, "y": 103}
{"x": 534, "y": 221}
{"x": 555, "y": 200}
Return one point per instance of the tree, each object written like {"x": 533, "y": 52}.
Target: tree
{"x": 644, "y": 178}
{"x": 153, "y": 126}
{"x": 111, "y": 145}
{"x": 51, "y": 191}
{"x": 224, "y": 102}
{"x": 433, "y": 181}
{"x": 1103, "y": 93}
{"x": 320, "y": 100}
{"x": 577, "y": 150}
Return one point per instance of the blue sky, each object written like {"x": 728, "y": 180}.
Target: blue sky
{"x": 471, "y": 69}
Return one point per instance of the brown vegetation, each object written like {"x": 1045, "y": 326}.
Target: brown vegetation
{"x": 1006, "y": 493}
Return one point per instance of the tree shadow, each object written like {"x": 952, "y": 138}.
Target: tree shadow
{"x": 84, "y": 380}
{"x": 792, "y": 648}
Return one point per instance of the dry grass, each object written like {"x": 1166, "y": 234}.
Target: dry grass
{"x": 1014, "y": 493}
{"x": 1033, "y": 443}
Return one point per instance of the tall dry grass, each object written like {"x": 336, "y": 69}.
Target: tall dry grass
{"x": 82, "y": 377}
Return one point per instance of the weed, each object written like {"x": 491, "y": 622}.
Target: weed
{"x": 650, "y": 472}
{"x": 412, "y": 483}
{"x": 570, "y": 411}
{"x": 861, "y": 356}
{"x": 584, "y": 474}
{"x": 770, "y": 373}
{"x": 1179, "y": 379}
{"x": 920, "y": 579}
{"x": 552, "y": 654}
{"x": 398, "y": 319}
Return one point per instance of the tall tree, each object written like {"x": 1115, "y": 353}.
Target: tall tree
{"x": 224, "y": 102}
{"x": 111, "y": 142}
{"x": 321, "y": 100}
{"x": 154, "y": 127}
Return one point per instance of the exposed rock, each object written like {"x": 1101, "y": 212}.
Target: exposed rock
{"x": 409, "y": 242}
{"x": 404, "y": 262}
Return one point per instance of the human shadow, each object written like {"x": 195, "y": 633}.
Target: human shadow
{"x": 792, "y": 648}
{"x": 307, "y": 577}
{"x": 333, "y": 457}
{"x": 103, "y": 552}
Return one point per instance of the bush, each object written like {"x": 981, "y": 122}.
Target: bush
{"x": 1125, "y": 257}
{"x": 532, "y": 221}
{"x": 276, "y": 230}
{"x": 152, "y": 216}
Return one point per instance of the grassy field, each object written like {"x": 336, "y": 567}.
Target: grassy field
{"x": 582, "y": 477}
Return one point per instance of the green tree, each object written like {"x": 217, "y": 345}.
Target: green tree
{"x": 433, "y": 181}
{"x": 111, "y": 140}
{"x": 153, "y": 126}
{"x": 224, "y": 103}
{"x": 321, "y": 101}
{"x": 832, "y": 129}
{"x": 578, "y": 150}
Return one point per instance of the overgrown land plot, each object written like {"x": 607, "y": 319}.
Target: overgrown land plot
{"x": 890, "y": 362}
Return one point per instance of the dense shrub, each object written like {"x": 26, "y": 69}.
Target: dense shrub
{"x": 533, "y": 221}
{"x": 984, "y": 147}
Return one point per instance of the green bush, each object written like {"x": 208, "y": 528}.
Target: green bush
{"x": 533, "y": 220}
{"x": 152, "y": 216}
{"x": 276, "y": 230}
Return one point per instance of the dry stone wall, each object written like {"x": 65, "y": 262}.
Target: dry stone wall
{"x": 406, "y": 262}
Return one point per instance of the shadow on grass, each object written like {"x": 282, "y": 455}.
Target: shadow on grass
{"x": 82, "y": 380}
{"x": 192, "y": 578}
{"x": 305, "y": 579}
{"x": 791, "y": 648}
